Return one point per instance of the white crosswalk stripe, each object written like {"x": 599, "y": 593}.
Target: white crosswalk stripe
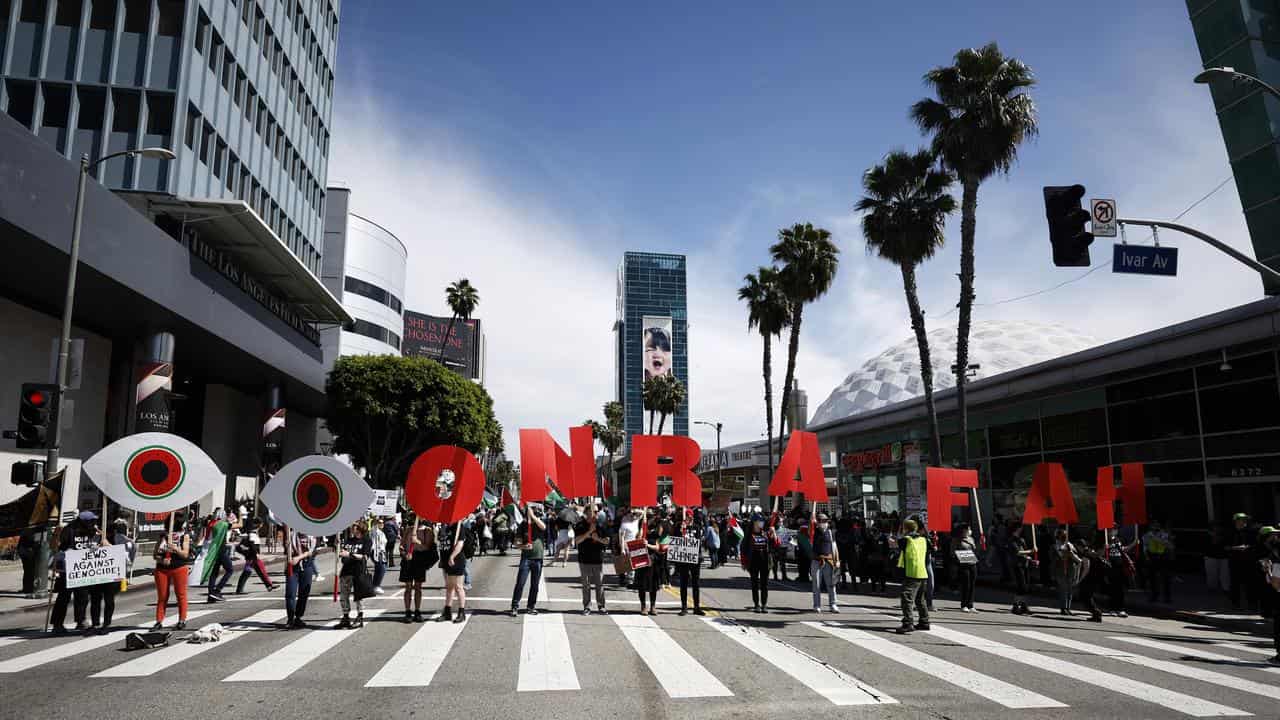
{"x": 418, "y": 660}
{"x": 11, "y": 640}
{"x": 1173, "y": 668}
{"x": 1180, "y": 702}
{"x": 679, "y": 674}
{"x": 546, "y": 661}
{"x": 284, "y": 662}
{"x": 1196, "y": 653}
{"x": 1246, "y": 648}
{"x": 836, "y": 686}
{"x": 158, "y": 660}
{"x": 999, "y": 691}
{"x": 75, "y": 647}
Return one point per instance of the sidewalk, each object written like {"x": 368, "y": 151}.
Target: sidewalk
{"x": 11, "y": 600}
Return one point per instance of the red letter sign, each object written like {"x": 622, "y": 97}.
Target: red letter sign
{"x": 939, "y": 483}
{"x": 1050, "y": 485}
{"x": 801, "y": 456}
{"x": 1132, "y": 492}
{"x": 646, "y": 451}
{"x": 540, "y": 456}
{"x": 422, "y": 491}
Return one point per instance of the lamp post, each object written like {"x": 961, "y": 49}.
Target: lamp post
{"x": 1208, "y": 75}
{"x": 64, "y": 343}
{"x": 719, "y": 467}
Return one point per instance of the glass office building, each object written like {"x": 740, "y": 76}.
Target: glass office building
{"x": 240, "y": 90}
{"x": 651, "y": 334}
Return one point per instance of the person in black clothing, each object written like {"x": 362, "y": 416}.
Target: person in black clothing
{"x": 250, "y": 548}
{"x": 847, "y": 542}
{"x": 1095, "y": 576}
{"x": 875, "y": 556}
{"x": 755, "y": 558}
{"x": 690, "y": 574}
{"x": 391, "y": 529}
{"x": 1269, "y": 566}
{"x": 1020, "y": 552}
{"x": 29, "y": 553}
{"x": 646, "y": 578}
{"x": 83, "y": 534}
{"x": 1120, "y": 568}
{"x": 355, "y": 551}
{"x": 591, "y": 538}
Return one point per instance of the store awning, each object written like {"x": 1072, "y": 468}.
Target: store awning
{"x": 233, "y": 226}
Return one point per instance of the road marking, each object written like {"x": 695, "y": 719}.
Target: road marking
{"x": 172, "y": 655}
{"x": 546, "y": 661}
{"x": 1246, "y": 648}
{"x": 75, "y": 647}
{"x": 543, "y": 592}
{"x": 506, "y": 601}
{"x": 680, "y": 675}
{"x": 418, "y": 660}
{"x": 988, "y": 687}
{"x": 1117, "y": 683}
{"x": 1173, "y": 668}
{"x": 7, "y": 641}
{"x": 1197, "y": 653}
{"x": 291, "y": 658}
{"x": 839, "y": 688}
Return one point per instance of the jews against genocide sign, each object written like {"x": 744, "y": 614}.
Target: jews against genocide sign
{"x": 638, "y": 553}
{"x": 96, "y": 565}
{"x": 684, "y": 550}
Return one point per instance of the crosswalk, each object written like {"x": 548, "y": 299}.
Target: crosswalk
{"x": 686, "y": 658}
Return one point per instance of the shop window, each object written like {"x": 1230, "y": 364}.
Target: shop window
{"x": 1151, "y": 451}
{"x": 1150, "y": 386}
{"x": 1154, "y": 419}
{"x": 1013, "y": 473}
{"x": 1244, "y": 406}
{"x": 1015, "y": 438}
{"x": 1179, "y": 508}
{"x": 1075, "y": 430}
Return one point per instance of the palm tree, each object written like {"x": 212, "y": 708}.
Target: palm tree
{"x": 613, "y": 436}
{"x": 906, "y": 206}
{"x": 462, "y": 298}
{"x": 670, "y": 399}
{"x": 651, "y": 396}
{"x": 981, "y": 115}
{"x": 768, "y": 312}
{"x": 808, "y": 261}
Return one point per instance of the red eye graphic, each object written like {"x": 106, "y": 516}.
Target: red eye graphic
{"x": 317, "y": 495}
{"x": 154, "y": 472}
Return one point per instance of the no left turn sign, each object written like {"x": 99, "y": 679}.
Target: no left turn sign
{"x": 1103, "y": 214}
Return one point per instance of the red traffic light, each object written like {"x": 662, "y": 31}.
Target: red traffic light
{"x": 37, "y": 398}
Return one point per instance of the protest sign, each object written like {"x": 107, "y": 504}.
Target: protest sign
{"x": 638, "y": 553}
{"x": 384, "y": 503}
{"x": 96, "y": 565}
{"x": 684, "y": 550}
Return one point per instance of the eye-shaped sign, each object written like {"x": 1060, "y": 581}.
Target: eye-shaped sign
{"x": 317, "y": 495}
{"x": 445, "y": 484}
{"x": 153, "y": 472}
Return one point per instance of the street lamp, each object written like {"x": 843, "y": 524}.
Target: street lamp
{"x": 1208, "y": 75}
{"x": 64, "y": 343}
{"x": 719, "y": 468}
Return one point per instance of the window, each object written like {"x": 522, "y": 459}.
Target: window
{"x": 266, "y": 45}
{"x": 193, "y": 127}
{"x": 250, "y": 104}
{"x": 202, "y": 32}
{"x": 246, "y": 11}
{"x": 219, "y": 156}
{"x": 1173, "y": 416}
{"x": 241, "y": 81}
{"x": 377, "y": 332}
{"x": 103, "y": 16}
{"x": 258, "y": 23}
{"x": 1243, "y": 406}
{"x": 228, "y": 69}
{"x": 215, "y": 52}
{"x": 170, "y": 20}
{"x": 206, "y": 143}
{"x": 137, "y": 16}
{"x": 67, "y": 13}
{"x": 371, "y": 291}
{"x": 233, "y": 171}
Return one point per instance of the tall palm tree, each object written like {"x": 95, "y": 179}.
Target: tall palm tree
{"x": 651, "y": 396}
{"x": 670, "y": 399}
{"x": 808, "y": 261}
{"x": 462, "y": 298}
{"x": 613, "y": 435}
{"x": 981, "y": 115}
{"x": 768, "y": 312}
{"x": 906, "y": 207}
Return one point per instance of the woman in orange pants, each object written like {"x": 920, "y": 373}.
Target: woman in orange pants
{"x": 171, "y": 556}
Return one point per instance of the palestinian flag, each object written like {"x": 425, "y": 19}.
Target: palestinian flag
{"x": 554, "y": 498}
{"x": 509, "y": 506}
{"x": 489, "y": 500}
{"x": 735, "y": 528}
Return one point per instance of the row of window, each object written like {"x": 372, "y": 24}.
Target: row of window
{"x": 373, "y": 292}
{"x": 375, "y": 331}
{"x": 243, "y": 184}
{"x": 251, "y": 15}
{"x": 244, "y": 95}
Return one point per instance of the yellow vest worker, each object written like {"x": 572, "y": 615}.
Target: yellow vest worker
{"x": 913, "y": 558}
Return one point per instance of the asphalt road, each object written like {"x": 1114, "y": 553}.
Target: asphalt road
{"x": 563, "y": 664}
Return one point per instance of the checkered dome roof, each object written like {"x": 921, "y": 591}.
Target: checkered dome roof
{"x": 996, "y": 345}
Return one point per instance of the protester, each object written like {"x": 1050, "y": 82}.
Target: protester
{"x": 826, "y": 558}
{"x": 82, "y": 534}
{"x": 913, "y": 559}
{"x": 690, "y": 573}
{"x": 1120, "y": 568}
{"x": 391, "y": 529}
{"x": 966, "y": 555}
{"x": 1270, "y": 575}
{"x": 1066, "y": 569}
{"x": 590, "y": 539}
{"x": 355, "y": 551}
{"x": 1157, "y": 551}
{"x": 1020, "y": 556}
{"x": 1244, "y": 579}
{"x": 711, "y": 540}
{"x": 418, "y": 554}
{"x": 529, "y": 540}
{"x": 804, "y": 551}
{"x": 454, "y": 563}
{"x": 302, "y": 571}
{"x": 501, "y": 532}
{"x": 172, "y": 553}
{"x": 378, "y": 554}
{"x": 647, "y": 579}
{"x": 218, "y": 554}
{"x": 755, "y": 558}
{"x": 778, "y": 554}
{"x": 250, "y": 547}
{"x": 875, "y": 559}
{"x": 847, "y": 544}
{"x": 628, "y": 530}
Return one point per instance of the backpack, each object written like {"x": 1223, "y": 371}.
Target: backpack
{"x": 469, "y": 542}
{"x": 146, "y": 640}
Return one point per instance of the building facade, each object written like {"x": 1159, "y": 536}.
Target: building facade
{"x": 651, "y": 334}
{"x": 364, "y": 267}
{"x": 242, "y": 92}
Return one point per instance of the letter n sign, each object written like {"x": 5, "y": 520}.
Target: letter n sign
{"x": 940, "y": 484}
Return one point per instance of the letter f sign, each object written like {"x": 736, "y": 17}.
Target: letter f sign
{"x": 940, "y": 484}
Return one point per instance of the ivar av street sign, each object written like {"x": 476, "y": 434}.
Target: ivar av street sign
{"x": 1145, "y": 260}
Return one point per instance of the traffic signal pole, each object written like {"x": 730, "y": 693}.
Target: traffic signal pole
{"x": 1236, "y": 254}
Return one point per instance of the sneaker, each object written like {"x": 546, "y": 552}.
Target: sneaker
{"x": 532, "y": 611}
{"x": 904, "y": 630}
{"x": 417, "y": 616}
{"x": 1274, "y": 660}
{"x": 601, "y": 610}
{"x": 586, "y": 611}
{"x": 1122, "y": 614}
{"x": 157, "y": 626}
{"x": 1016, "y": 610}
{"x": 653, "y": 611}
{"x": 973, "y": 609}
{"x": 59, "y": 630}
{"x": 683, "y": 612}
{"x": 408, "y": 617}
{"x": 755, "y": 608}
{"x": 467, "y": 587}
{"x": 834, "y": 608}
{"x": 182, "y": 625}
{"x": 764, "y": 610}
{"x": 376, "y": 591}
{"x": 922, "y": 626}
{"x": 817, "y": 609}
{"x": 699, "y": 612}
{"x": 514, "y": 612}
{"x": 1095, "y": 618}
{"x": 964, "y": 609}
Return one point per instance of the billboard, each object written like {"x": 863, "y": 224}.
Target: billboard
{"x": 656, "y": 346}
{"x": 424, "y": 333}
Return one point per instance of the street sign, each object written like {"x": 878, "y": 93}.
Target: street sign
{"x": 1145, "y": 260}
{"x": 1103, "y": 214}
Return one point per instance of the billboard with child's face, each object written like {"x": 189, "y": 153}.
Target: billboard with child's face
{"x": 656, "y": 346}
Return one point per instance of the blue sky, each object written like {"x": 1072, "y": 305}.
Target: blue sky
{"x": 527, "y": 146}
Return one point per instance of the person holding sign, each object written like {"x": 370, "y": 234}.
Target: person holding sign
{"x": 826, "y": 558}
{"x": 689, "y": 565}
{"x": 418, "y": 553}
{"x": 755, "y": 558}
{"x": 171, "y": 556}
{"x": 454, "y": 563}
{"x": 966, "y": 554}
{"x": 647, "y": 579}
{"x": 83, "y": 534}
{"x": 591, "y": 540}
{"x": 354, "y": 552}
{"x": 529, "y": 537}
{"x": 297, "y": 589}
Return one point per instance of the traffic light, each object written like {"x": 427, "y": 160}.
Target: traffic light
{"x": 27, "y": 472}
{"x": 1067, "y": 221}
{"x": 37, "y": 413}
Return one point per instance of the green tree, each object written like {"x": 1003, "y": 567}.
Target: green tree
{"x": 670, "y": 398}
{"x": 463, "y": 299}
{"x": 808, "y": 261}
{"x": 981, "y": 114}
{"x": 650, "y": 397}
{"x": 768, "y": 312}
{"x": 613, "y": 435}
{"x": 905, "y": 213}
{"x": 385, "y": 410}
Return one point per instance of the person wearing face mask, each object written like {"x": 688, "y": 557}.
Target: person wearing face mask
{"x": 1270, "y": 564}
{"x": 755, "y": 558}
{"x": 826, "y": 558}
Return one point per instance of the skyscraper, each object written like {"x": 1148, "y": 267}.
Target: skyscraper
{"x": 240, "y": 90}
{"x": 651, "y": 334}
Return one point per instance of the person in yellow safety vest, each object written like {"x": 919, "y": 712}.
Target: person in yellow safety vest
{"x": 912, "y": 559}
